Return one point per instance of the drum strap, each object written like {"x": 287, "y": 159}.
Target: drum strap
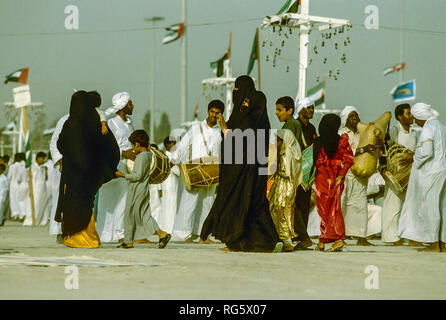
{"x": 303, "y": 138}
{"x": 204, "y": 141}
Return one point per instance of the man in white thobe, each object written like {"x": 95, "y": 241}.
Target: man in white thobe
{"x": 354, "y": 196}
{"x": 4, "y": 194}
{"x": 202, "y": 140}
{"x": 402, "y": 134}
{"x": 423, "y": 217}
{"x": 40, "y": 191}
{"x": 113, "y": 194}
{"x": 54, "y": 179}
{"x": 14, "y": 184}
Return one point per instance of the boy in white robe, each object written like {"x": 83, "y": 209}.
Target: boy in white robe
{"x": 41, "y": 196}
{"x": 423, "y": 217}
{"x": 169, "y": 192}
{"x": 202, "y": 140}
{"x": 354, "y": 196}
{"x": 4, "y": 194}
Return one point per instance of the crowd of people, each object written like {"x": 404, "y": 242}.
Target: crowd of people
{"x": 94, "y": 188}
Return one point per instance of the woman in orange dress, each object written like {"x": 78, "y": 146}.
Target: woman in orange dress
{"x": 89, "y": 159}
{"x": 333, "y": 157}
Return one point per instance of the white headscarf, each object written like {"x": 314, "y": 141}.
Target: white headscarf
{"x": 304, "y": 103}
{"x": 422, "y": 111}
{"x": 119, "y": 101}
{"x": 345, "y": 113}
{"x": 291, "y": 152}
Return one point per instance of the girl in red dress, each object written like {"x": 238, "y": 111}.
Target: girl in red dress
{"x": 332, "y": 157}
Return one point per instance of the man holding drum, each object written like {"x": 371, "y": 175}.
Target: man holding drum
{"x": 113, "y": 194}
{"x": 403, "y": 135}
{"x": 201, "y": 141}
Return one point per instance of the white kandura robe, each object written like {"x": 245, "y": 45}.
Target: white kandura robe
{"x": 354, "y": 196}
{"x": 423, "y": 217}
{"x": 194, "y": 205}
{"x": 14, "y": 186}
{"x": 170, "y": 199}
{"x": 393, "y": 202}
{"x": 155, "y": 201}
{"x": 24, "y": 197}
{"x": 113, "y": 194}
{"x": 41, "y": 195}
{"x": 54, "y": 175}
{"x": 4, "y": 196}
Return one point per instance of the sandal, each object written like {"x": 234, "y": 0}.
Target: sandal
{"x": 125, "y": 246}
{"x": 163, "y": 242}
{"x": 336, "y": 249}
{"x": 319, "y": 248}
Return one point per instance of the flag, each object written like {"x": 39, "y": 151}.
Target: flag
{"x": 254, "y": 52}
{"x": 20, "y": 76}
{"x": 219, "y": 66}
{"x": 289, "y": 7}
{"x": 175, "y": 32}
{"x": 394, "y": 68}
{"x": 25, "y": 135}
{"x": 317, "y": 94}
{"x": 196, "y": 111}
{"x": 404, "y": 92}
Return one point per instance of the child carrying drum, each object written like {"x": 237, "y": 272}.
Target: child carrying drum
{"x": 137, "y": 207}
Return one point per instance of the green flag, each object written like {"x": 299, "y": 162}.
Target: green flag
{"x": 254, "y": 52}
{"x": 289, "y": 7}
{"x": 218, "y": 66}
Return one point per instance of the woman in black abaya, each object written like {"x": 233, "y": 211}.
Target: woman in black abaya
{"x": 89, "y": 159}
{"x": 240, "y": 215}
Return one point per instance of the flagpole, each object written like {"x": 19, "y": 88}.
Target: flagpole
{"x": 258, "y": 58}
{"x": 402, "y": 35}
{"x": 28, "y": 163}
{"x": 303, "y": 50}
{"x": 184, "y": 67}
{"x": 228, "y": 85}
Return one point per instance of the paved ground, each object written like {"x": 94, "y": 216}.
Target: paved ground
{"x": 193, "y": 271}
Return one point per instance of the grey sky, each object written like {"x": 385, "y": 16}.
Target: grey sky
{"x": 112, "y": 52}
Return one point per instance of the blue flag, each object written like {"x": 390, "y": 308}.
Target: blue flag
{"x": 403, "y": 92}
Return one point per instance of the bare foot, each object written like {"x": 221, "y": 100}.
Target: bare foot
{"x": 225, "y": 249}
{"x": 207, "y": 241}
{"x": 336, "y": 247}
{"x": 433, "y": 247}
{"x": 189, "y": 240}
{"x": 414, "y": 244}
{"x": 363, "y": 242}
{"x": 143, "y": 241}
{"x": 398, "y": 243}
{"x": 320, "y": 247}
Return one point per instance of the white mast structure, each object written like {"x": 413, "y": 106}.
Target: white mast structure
{"x": 305, "y": 22}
